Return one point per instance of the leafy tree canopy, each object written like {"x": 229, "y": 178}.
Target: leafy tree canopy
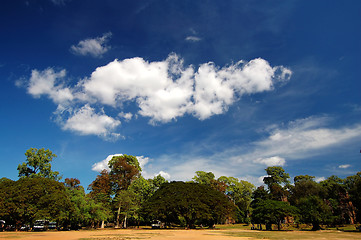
{"x": 193, "y": 202}
{"x": 38, "y": 164}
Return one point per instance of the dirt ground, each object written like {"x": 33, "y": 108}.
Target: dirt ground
{"x": 121, "y": 234}
{"x": 167, "y": 234}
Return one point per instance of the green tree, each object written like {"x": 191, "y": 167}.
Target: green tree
{"x": 277, "y": 182}
{"x": 38, "y": 164}
{"x": 157, "y": 182}
{"x": 123, "y": 170}
{"x": 353, "y": 187}
{"x": 339, "y": 200}
{"x": 128, "y": 203}
{"x": 192, "y": 202}
{"x": 307, "y": 196}
{"x": 28, "y": 199}
{"x": 272, "y": 212}
{"x": 240, "y": 192}
{"x": 203, "y": 177}
{"x": 314, "y": 210}
{"x": 100, "y": 193}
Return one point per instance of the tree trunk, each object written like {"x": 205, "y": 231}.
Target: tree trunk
{"x": 117, "y": 220}
{"x": 102, "y": 225}
{"x": 268, "y": 227}
{"x": 125, "y": 222}
{"x": 315, "y": 226}
{"x": 279, "y": 225}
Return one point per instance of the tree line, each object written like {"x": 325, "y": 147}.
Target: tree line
{"x": 123, "y": 197}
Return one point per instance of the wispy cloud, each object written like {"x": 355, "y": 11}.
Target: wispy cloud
{"x": 298, "y": 139}
{"x": 193, "y": 39}
{"x": 60, "y": 2}
{"x": 344, "y": 166}
{"x": 95, "y": 47}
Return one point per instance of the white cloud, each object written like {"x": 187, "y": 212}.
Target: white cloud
{"x": 166, "y": 90}
{"x": 344, "y": 166}
{"x": 320, "y": 179}
{"x": 271, "y": 161}
{"x": 49, "y": 82}
{"x": 95, "y": 47}
{"x": 127, "y": 116}
{"x": 164, "y": 174}
{"x": 215, "y": 89}
{"x": 86, "y": 122}
{"x": 193, "y": 39}
{"x": 301, "y": 138}
{"x": 99, "y": 166}
{"x": 163, "y": 90}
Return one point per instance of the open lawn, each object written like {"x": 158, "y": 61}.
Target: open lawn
{"x": 223, "y": 233}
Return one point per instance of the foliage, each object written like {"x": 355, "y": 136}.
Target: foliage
{"x": 38, "y": 164}
{"x": 194, "y": 203}
{"x": 203, "y": 177}
{"x": 123, "y": 169}
{"x": 272, "y": 212}
{"x": 28, "y": 199}
{"x": 276, "y": 175}
{"x": 314, "y": 210}
{"x": 240, "y": 192}
{"x": 353, "y": 187}
{"x": 100, "y": 188}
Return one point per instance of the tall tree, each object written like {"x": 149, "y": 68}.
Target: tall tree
{"x": 123, "y": 170}
{"x": 277, "y": 182}
{"x": 339, "y": 200}
{"x": 38, "y": 164}
{"x": 240, "y": 192}
{"x": 353, "y": 186}
{"x": 100, "y": 193}
{"x": 307, "y": 196}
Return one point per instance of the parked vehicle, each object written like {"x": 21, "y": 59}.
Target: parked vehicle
{"x": 25, "y": 227}
{"x": 41, "y": 225}
{"x": 156, "y": 224}
{"x": 52, "y": 225}
{"x": 2, "y": 225}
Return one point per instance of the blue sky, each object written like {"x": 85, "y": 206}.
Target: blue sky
{"x": 230, "y": 87}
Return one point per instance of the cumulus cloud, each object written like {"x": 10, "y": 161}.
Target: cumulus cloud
{"x": 163, "y": 90}
{"x": 320, "y": 179}
{"x": 100, "y": 166}
{"x": 49, "y": 83}
{"x": 127, "y": 116}
{"x": 87, "y": 122}
{"x": 164, "y": 174}
{"x": 166, "y": 90}
{"x": 95, "y": 47}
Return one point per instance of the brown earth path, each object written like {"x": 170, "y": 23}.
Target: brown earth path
{"x": 121, "y": 234}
